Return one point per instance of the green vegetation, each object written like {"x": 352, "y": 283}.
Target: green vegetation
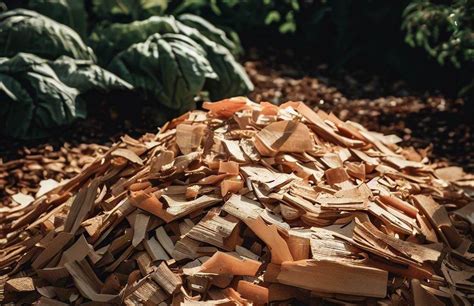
{"x": 444, "y": 31}
{"x": 39, "y": 95}
{"x": 416, "y": 39}
{"x": 167, "y": 53}
{"x": 27, "y": 31}
{"x": 170, "y": 68}
{"x": 49, "y": 62}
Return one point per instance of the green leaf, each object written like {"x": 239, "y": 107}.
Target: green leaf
{"x": 142, "y": 68}
{"x": 212, "y": 32}
{"x": 27, "y": 31}
{"x": 85, "y": 75}
{"x": 109, "y": 39}
{"x": 41, "y": 101}
{"x": 289, "y": 26}
{"x": 169, "y": 69}
{"x": 189, "y": 5}
{"x": 215, "y": 8}
{"x": 69, "y": 12}
{"x": 39, "y": 96}
{"x": 232, "y": 78}
{"x": 129, "y": 9}
{"x": 273, "y": 16}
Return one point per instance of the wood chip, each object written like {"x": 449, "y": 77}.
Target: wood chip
{"x": 167, "y": 280}
{"x": 129, "y": 155}
{"x": 329, "y": 276}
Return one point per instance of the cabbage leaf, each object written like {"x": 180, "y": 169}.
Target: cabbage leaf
{"x": 37, "y": 95}
{"x": 30, "y": 32}
{"x": 170, "y": 69}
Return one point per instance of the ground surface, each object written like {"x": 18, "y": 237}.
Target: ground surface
{"x": 387, "y": 106}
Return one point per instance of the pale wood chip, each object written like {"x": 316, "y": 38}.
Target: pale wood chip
{"x": 129, "y": 155}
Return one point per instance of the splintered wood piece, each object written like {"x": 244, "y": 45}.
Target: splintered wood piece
{"x": 399, "y": 204}
{"x": 343, "y": 203}
{"x": 328, "y": 276}
{"x": 163, "y": 161}
{"x": 439, "y": 218}
{"x": 416, "y": 252}
{"x": 403, "y": 163}
{"x": 169, "y": 281}
{"x": 422, "y": 297}
{"x": 214, "y": 230}
{"x": 189, "y": 137}
{"x": 87, "y": 282}
{"x": 232, "y": 185}
{"x": 466, "y": 212}
{"x": 270, "y": 235}
{"x": 80, "y": 207}
{"x": 234, "y": 150}
{"x": 336, "y": 176}
{"x": 179, "y": 207}
{"x": 239, "y": 207}
{"x": 155, "y": 250}
{"x": 139, "y": 228}
{"x": 52, "y": 249}
{"x": 22, "y": 199}
{"x": 78, "y": 251}
{"x": 450, "y": 174}
{"x": 227, "y": 107}
{"x": 357, "y": 170}
{"x": 224, "y": 263}
{"x": 283, "y": 136}
{"x": 265, "y": 294}
{"x": 242, "y": 207}
{"x": 144, "y": 263}
{"x": 253, "y": 292}
{"x": 321, "y": 128}
{"x": 325, "y": 246}
{"x": 20, "y": 284}
{"x": 164, "y": 239}
{"x": 128, "y": 154}
{"x": 185, "y": 248}
{"x": 146, "y": 293}
{"x": 229, "y": 167}
{"x": 299, "y": 245}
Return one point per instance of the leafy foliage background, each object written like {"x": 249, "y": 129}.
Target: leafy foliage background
{"x": 48, "y": 65}
{"x": 429, "y": 43}
{"x": 166, "y": 53}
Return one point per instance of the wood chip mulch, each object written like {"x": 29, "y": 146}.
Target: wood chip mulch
{"x": 241, "y": 204}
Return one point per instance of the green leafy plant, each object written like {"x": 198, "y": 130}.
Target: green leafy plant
{"x": 38, "y": 95}
{"x": 30, "y": 32}
{"x": 128, "y": 9}
{"x": 245, "y": 14}
{"x": 169, "y": 68}
{"x": 109, "y": 39}
{"x": 166, "y": 62}
{"x": 229, "y": 77}
{"x": 212, "y": 32}
{"x": 69, "y": 12}
{"x": 445, "y": 31}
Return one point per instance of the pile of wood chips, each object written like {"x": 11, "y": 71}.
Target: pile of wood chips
{"x": 247, "y": 204}
{"x": 40, "y": 169}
